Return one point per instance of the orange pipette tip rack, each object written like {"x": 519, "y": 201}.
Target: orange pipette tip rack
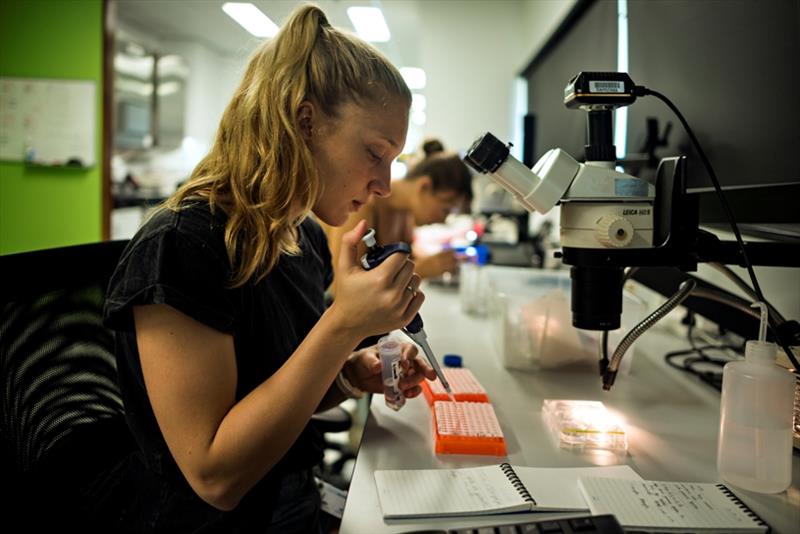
{"x": 467, "y": 428}
{"x": 465, "y": 386}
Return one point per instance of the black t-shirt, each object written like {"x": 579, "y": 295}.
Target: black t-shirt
{"x": 179, "y": 259}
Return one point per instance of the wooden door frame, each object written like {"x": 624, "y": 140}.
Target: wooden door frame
{"x": 109, "y": 29}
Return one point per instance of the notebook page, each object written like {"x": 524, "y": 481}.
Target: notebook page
{"x": 667, "y": 505}
{"x": 556, "y": 488}
{"x": 446, "y": 492}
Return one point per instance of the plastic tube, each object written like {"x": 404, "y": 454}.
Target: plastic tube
{"x": 390, "y": 353}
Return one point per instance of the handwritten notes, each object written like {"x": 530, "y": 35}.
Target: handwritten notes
{"x": 651, "y": 504}
{"x": 443, "y": 492}
{"x": 485, "y": 490}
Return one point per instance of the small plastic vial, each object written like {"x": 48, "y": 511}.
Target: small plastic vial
{"x": 390, "y": 350}
{"x": 755, "y": 433}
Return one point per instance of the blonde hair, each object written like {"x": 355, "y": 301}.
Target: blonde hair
{"x": 259, "y": 168}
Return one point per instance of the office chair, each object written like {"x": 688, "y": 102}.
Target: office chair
{"x": 331, "y": 421}
{"x": 61, "y": 417}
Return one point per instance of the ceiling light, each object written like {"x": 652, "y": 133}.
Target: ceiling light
{"x": 418, "y": 102}
{"x": 414, "y": 77}
{"x": 369, "y": 23}
{"x": 251, "y": 18}
{"x": 138, "y": 67}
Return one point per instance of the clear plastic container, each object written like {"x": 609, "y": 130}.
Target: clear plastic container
{"x": 531, "y": 321}
{"x": 473, "y": 288}
{"x": 390, "y": 351}
{"x": 755, "y": 434}
{"x": 582, "y": 425}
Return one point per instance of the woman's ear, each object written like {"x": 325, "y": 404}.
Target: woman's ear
{"x": 305, "y": 119}
{"x": 424, "y": 184}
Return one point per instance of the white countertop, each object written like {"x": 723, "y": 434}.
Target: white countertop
{"x": 671, "y": 420}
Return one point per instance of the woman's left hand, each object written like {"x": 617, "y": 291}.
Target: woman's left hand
{"x": 363, "y": 370}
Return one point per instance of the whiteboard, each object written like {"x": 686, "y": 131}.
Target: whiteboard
{"x": 48, "y": 122}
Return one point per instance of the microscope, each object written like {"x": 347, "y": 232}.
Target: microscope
{"x": 610, "y": 220}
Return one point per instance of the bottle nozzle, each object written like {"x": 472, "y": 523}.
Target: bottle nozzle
{"x": 762, "y": 329}
{"x": 369, "y": 238}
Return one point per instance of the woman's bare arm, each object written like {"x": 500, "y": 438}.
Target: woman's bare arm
{"x": 223, "y": 447}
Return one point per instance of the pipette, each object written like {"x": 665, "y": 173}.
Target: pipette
{"x": 414, "y": 330}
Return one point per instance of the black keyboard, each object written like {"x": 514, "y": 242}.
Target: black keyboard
{"x": 589, "y": 524}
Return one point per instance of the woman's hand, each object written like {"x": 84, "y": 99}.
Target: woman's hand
{"x": 363, "y": 370}
{"x": 372, "y": 302}
{"x": 437, "y": 264}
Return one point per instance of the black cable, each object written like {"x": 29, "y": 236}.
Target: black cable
{"x": 604, "y": 352}
{"x": 696, "y": 355}
{"x": 640, "y": 90}
{"x": 699, "y": 350}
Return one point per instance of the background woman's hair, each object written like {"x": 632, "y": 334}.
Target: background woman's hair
{"x": 446, "y": 170}
{"x": 259, "y": 169}
{"x": 431, "y": 147}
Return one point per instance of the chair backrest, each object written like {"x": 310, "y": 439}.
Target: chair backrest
{"x": 61, "y": 415}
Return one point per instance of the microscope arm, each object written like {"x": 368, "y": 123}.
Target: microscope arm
{"x": 760, "y": 253}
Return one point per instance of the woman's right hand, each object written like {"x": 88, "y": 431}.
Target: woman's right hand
{"x": 375, "y": 301}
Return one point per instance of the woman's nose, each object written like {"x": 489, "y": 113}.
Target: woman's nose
{"x": 381, "y": 185}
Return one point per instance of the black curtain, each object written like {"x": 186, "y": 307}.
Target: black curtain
{"x": 587, "y": 41}
{"x": 731, "y": 67}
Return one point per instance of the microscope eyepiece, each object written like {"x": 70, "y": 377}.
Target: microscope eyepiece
{"x": 486, "y": 154}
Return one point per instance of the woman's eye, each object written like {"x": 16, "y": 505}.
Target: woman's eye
{"x": 373, "y": 156}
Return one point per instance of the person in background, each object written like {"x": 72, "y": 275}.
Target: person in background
{"x": 428, "y": 148}
{"x": 224, "y": 346}
{"x": 434, "y": 187}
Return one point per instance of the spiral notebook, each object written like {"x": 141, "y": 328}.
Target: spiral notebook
{"x": 670, "y": 506}
{"x": 493, "y": 489}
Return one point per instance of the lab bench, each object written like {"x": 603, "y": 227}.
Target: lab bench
{"x": 671, "y": 419}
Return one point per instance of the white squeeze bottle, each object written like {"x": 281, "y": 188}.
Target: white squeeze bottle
{"x": 755, "y": 429}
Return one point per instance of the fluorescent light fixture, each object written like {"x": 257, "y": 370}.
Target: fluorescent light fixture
{"x": 134, "y": 86}
{"x": 414, "y": 77}
{"x": 172, "y": 65}
{"x": 621, "y": 114}
{"x": 133, "y": 49}
{"x": 137, "y": 67}
{"x": 418, "y": 102}
{"x": 369, "y": 24}
{"x": 168, "y": 88}
{"x": 251, "y": 18}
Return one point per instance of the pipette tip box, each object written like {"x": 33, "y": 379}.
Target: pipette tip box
{"x": 582, "y": 425}
{"x": 467, "y": 428}
{"x": 465, "y": 386}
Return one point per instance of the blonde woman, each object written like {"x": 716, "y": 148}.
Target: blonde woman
{"x": 224, "y": 347}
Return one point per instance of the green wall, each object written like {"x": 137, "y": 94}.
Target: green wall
{"x": 51, "y": 207}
